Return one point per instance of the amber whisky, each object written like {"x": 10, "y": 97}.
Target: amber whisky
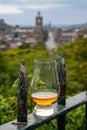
{"x": 44, "y": 98}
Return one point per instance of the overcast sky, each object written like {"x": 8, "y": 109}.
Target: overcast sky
{"x": 58, "y": 12}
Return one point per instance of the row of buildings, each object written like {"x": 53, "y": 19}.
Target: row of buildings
{"x": 13, "y": 37}
{"x": 67, "y": 35}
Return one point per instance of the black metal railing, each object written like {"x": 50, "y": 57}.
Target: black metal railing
{"x": 59, "y": 113}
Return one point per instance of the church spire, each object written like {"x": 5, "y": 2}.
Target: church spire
{"x": 38, "y": 13}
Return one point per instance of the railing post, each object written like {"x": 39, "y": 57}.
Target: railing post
{"x": 86, "y": 116}
{"x": 22, "y": 93}
{"x": 62, "y": 95}
{"x": 61, "y": 122}
{"x": 86, "y": 105}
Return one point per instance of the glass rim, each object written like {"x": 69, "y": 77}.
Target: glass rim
{"x": 44, "y": 61}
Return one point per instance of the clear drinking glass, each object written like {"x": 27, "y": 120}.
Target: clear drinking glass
{"x": 44, "y": 86}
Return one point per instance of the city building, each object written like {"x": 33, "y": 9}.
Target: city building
{"x": 65, "y": 36}
{"x": 39, "y": 27}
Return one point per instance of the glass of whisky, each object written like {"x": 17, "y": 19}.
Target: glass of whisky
{"x": 44, "y": 86}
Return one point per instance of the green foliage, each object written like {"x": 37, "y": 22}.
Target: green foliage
{"x": 40, "y": 46}
{"x": 14, "y": 88}
{"x": 45, "y": 35}
{"x": 8, "y": 109}
{"x": 76, "y": 65}
{"x": 3, "y": 64}
{"x": 3, "y": 43}
{"x": 24, "y": 45}
{"x": 75, "y": 119}
{"x": 11, "y": 60}
{"x": 52, "y": 125}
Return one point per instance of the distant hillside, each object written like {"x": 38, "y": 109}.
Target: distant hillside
{"x": 4, "y": 26}
{"x": 75, "y": 25}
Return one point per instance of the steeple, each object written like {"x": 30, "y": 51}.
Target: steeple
{"x": 39, "y": 20}
{"x": 38, "y": 13}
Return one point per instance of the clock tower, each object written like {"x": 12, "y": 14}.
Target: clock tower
{"x": 39, "y": 21}
{"x": 39, "y": 27}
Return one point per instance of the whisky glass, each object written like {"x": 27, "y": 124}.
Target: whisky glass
{"x": 44, "y": 86}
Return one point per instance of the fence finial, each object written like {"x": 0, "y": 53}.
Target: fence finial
{"x": 62, "y": 80}
{"x": 22, "y": 93}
